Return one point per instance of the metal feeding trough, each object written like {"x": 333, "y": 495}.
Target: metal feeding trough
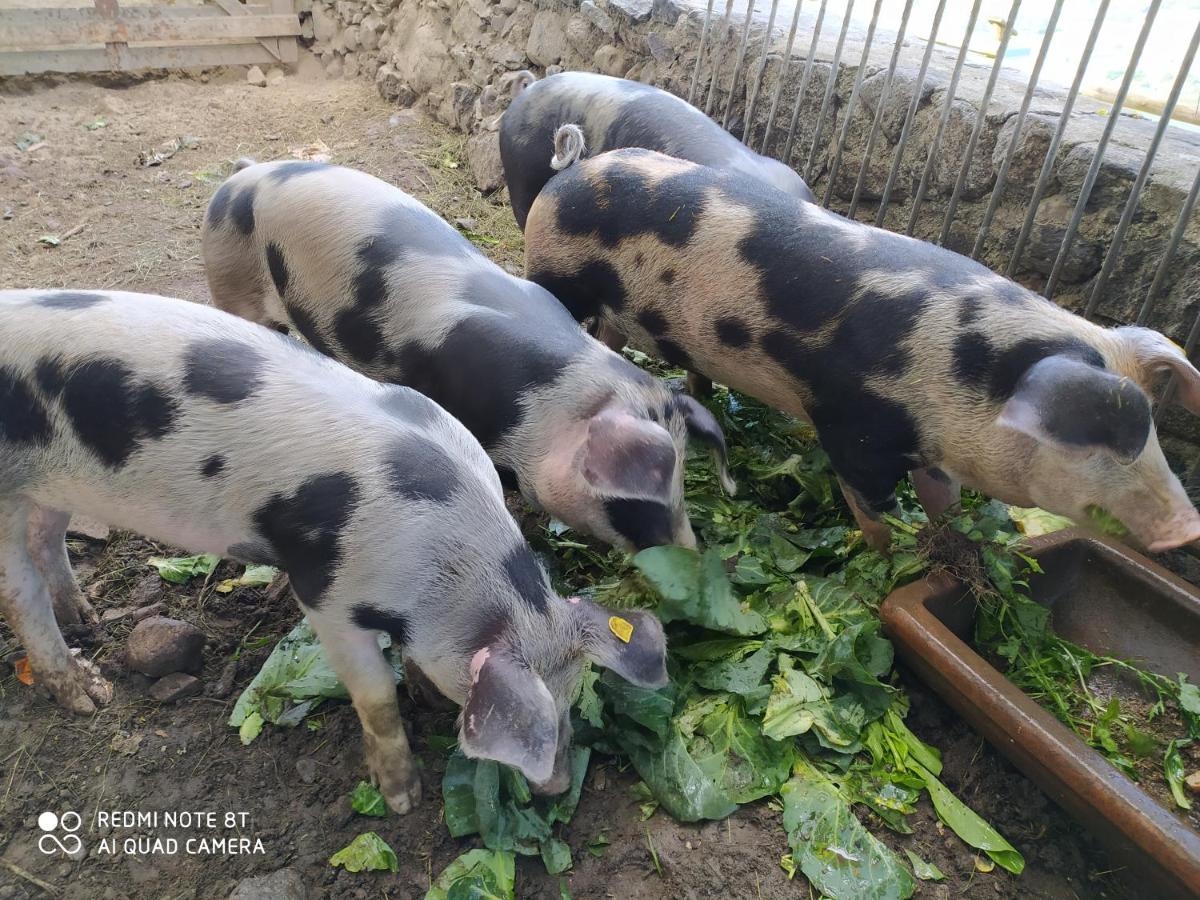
{"x": 1110, "y": 600}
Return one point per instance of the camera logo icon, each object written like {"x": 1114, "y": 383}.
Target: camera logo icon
{"x": 59, "y": 833}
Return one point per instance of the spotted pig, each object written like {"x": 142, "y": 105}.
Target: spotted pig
{"x": 373, "y": 278}
{"x": 614, "y": 113}
{"x": 904, "y": 356}
{"x": 210, "y": 433}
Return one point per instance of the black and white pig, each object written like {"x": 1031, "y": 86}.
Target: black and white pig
{"x": 903, "y": 355}
{"x": 372, "y": 277}
{"x": 615, "y": 113}
{"x": 208, "y": 432}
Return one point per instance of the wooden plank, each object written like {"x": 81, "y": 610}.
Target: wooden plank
{"x": 235, "y": 8}
{"x": 289, "y": 51}
{"x": 132, "y": 58}
{"x": 27, "y": 29}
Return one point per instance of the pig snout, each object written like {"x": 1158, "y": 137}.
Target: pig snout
{"x": 1177, "y": 530}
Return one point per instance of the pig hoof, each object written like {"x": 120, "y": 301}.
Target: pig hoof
{"x": 72, "y": 608}
{"x": 82, "y": 689}
{"x": 398, "y": 780}
{"x": 404, "y": 799}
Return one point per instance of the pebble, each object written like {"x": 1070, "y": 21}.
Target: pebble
{"x": 256, "y": 77}
{"x": 284, "y": 884}
{"x": 176, "y": 686}
{"x": 159, "y": 646}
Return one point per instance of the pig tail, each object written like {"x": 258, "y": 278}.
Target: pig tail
{"x": 568, "y": 146}
{"x": 244, "y": 163}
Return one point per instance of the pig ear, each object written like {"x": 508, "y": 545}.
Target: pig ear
{"x": 630, "y": 642}
{"x": 626, "y": 455}
{"x": 509, "y": 716}
{"x": 1157, "y": 353}
{"x": 702, "y": 426}
{"x": 1078, "y": 408}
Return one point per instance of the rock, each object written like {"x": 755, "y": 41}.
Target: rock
{"x": 659, "y": 47}
{"x": 598, "y": 17}
{"x": 392, "y": 87}
{"x": 483, "y": 156}
{"x": 547, "y": 42}
{"x": 368, "y": 33}
{"x": 1193, "y": 782}
{"x": 256, "y": 77}
{"x": 553, "y": 70}
{"x": 457, "y": 109}
{"x": 350, "y": 66}
{"x": 636, "y": 11}
{"x": 275, "y": 75}
{"x": 306, "y": 29}
{"x": 82, "y": 526}
{"x": 1114, "y": 179}
{"x": 334, "y": 67}
{"x": 350, "y": 38}
{"x": 468, "y": 224}
{"x": 285, "y": 884}
{"x": 487, "y": 104}
{"x": 325, "y": 26}
{"x": 1049, "y": 227}
{"x": 583, "y": 36}
{"x": 307, "y": 770}
{"x": 613, "y": 60}
{"x": 159, "y": 646}
{"x": 667, "y": 11}
{"x": 176, "y": 686}
{"x": 1030, "y": 152}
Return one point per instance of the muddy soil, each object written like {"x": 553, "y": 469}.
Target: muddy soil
{"x": 123, "y": 224}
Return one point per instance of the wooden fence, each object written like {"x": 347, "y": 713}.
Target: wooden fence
{"x": 107, "y": 37}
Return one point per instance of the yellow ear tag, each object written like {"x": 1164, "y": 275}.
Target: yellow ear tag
{"x": 622, "y": 628}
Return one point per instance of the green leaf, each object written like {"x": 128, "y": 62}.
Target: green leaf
{"x": 694, "y": 588}
{"x": 254, "y": 576}
{"x": 964, "y": 822}
{"x": 295, "y": 680}
{"x": 678, "y": 782}
{"x": 1105, "y": 522}
{"x": 790, "y": 710}
{"x": 1174, "y": 772}
{"x": 730, "y": 747}
{"x": 476, "y": 875}
{"x": 589, "y": 704}
{"x": 50, "y": 240}
{"x": 1189, "y": 695}
{"x": 366, "y": 800}
{"x": 598, "y": 845}
{"x": 250, "y": 728}
{"x": 181, "y": 569}
{"x": 556, "y": 856}
{"x": 832, "y": 848}
{"x": 926, "y": 871}
{"x": 366, "y": 853}
{"x": 741, "y": 673}
{"x": 1033, "y": 522}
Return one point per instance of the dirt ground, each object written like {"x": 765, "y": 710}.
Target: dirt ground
{"x": 124, "y": 224}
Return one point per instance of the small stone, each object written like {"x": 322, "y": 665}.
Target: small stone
{"x": 82, "y": 526}
{"x": 466, "y": 224}
{"x": 306, "y": 29}
{"x": 256, "y": 77}
{"x": 636, "y": 11}
{"x": 483, "y": 156}
{"x": 307, "y": 770}
{"x": 334, "y": 69}
{"x": 285, "y": 884}
{"x": 1193, "y": 782}
{"x": 176, "y": 686}
{"x": 159, "y": 646}
{"x": 275, "y": 76}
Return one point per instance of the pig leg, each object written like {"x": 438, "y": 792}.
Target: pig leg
{"x": 26, "y": 604}
{"x": 233, "y": 286}
{"x": 356, "y": 658}
{"x": 877, "y": 533}
{"x": 698, "y": 385}
{"x": 936, "y": 490}
{"x": 610, "y": 336}
{"x": 48, "y": 547}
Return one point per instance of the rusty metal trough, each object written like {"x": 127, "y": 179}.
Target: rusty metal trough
{"x": 1109, "y": 600}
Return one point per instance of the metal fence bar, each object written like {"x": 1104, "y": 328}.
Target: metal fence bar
{"x": 1160, "y": 275}
{"x": 878, "y": 120}
{"x": 786, "y": 156}
{"x": 737, "y": 66}
{"x": 947, "y": 107}
{"x": 910, "y": 115}
{"x": 980, "y": 121}
{"x": 829, "y": 86}
{"x": 712, "y": 84}
{"x": 1002, "y": 175}
{"x": 784, "y": 65}
{"x": 1135, "y": 193}
{"x": 1089, "y": 180}
{"x": 762, "y": 67}
{"x": 1052, "y": 151}
{"x": 848, "y": 115}
{"x": 700, "y": 54}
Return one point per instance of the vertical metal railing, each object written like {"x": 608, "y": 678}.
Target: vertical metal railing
{"x": 716, "y": 41}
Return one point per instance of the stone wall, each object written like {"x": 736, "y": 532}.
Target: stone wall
{"x": 457, "y": 58}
